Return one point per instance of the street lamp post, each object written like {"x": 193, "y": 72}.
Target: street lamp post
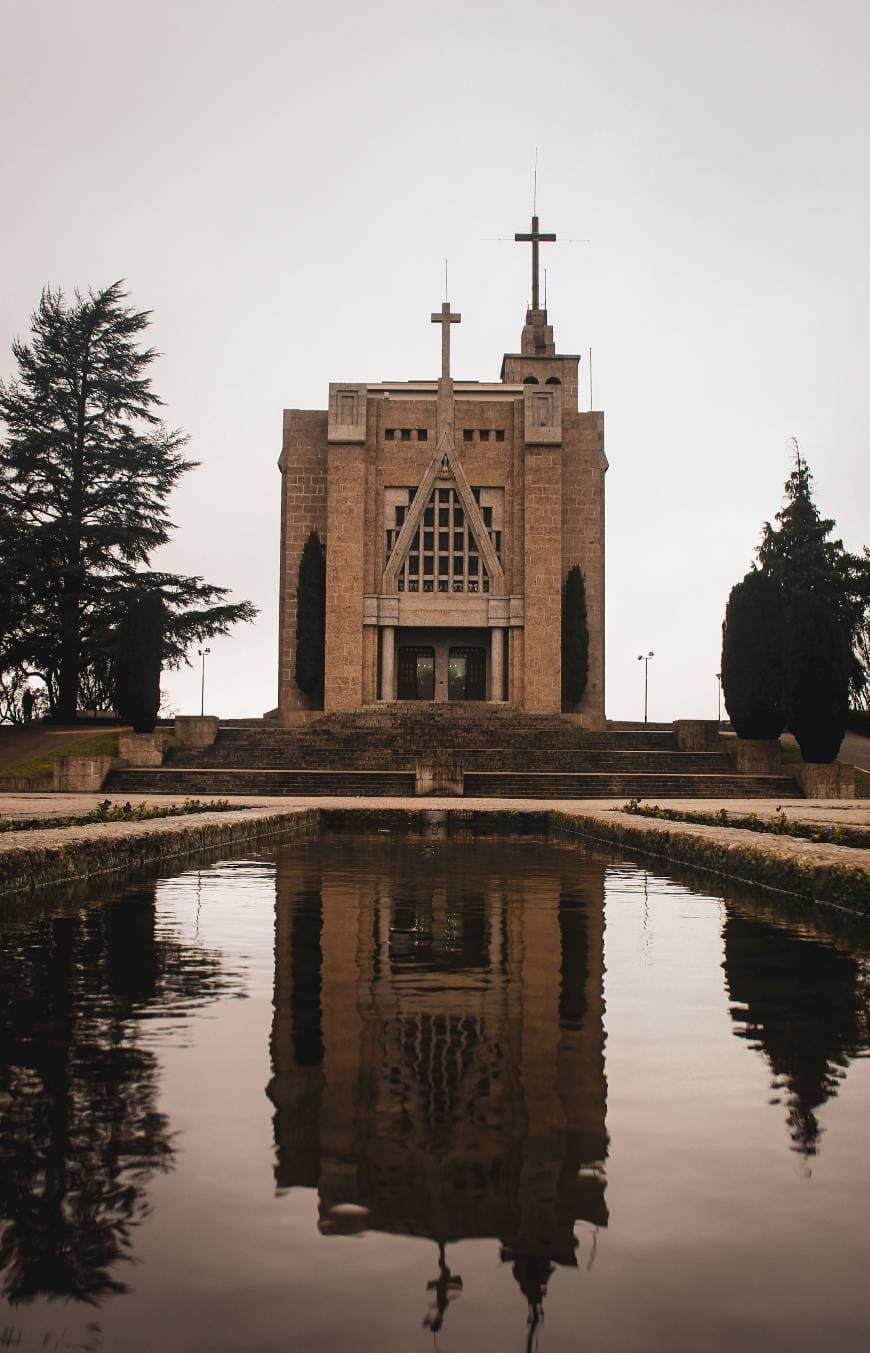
{"x": 644, "y": 658}
{"x": 719, "y": 680}
{"x": 202, "y": 653}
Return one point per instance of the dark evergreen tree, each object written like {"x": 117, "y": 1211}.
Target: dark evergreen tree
{"x": 311, "y": 619}
{"x": 138, "y": 661}
{"x": 575, "y": 639}
{"x": 802, "y": 557}
{"x": 816, "y": 677}
{"x": 86, "y": 469}
{"x": 752, "y": 656}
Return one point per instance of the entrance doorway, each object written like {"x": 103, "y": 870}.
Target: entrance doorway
{"x": 466, "y": 674}
{"x": 416, "y": 674}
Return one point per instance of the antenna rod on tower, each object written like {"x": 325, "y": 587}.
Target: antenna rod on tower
{"x": 535, "y": 186}
{"x": 445, "y": 280}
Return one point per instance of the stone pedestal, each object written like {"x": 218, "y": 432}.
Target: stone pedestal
{"x": 81, "y": 774}
{"x": 754, "y": 756}
{"x": 196, "y": 730}
{"x": 697, "y": 735}
{"x": 822, "y": 781}
{"x": 440, "y": 775}
{"x": 144, "y": 749}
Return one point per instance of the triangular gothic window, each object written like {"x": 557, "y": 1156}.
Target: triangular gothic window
{"x": 444, "y": 555}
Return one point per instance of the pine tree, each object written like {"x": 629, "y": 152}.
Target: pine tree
{"x": 816, "y": 677}
{"x": 138, "y": 661}
{"x": 575, "y": 639}
{"x": 87, "y": 468}
{"x": 752, "y": 657}
{"x": 802, "y": 557}
{"x": 311, "y": 620}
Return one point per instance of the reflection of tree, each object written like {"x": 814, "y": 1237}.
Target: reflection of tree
{"x": 82, "y": 1133}
{"x": 806, "y": 1008}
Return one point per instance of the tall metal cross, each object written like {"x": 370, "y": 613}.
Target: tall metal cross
{"x": 445, "y": 318}
{"x": 535, "y": 238}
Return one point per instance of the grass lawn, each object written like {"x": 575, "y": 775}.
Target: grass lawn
{"x": 91, "y": 744}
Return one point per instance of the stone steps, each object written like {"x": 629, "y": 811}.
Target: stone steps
{"x": 211, "y": 783}
{"x": 517, "y": 759}
{"x": 216, "y": 783}
{"x": 633, "y": 786}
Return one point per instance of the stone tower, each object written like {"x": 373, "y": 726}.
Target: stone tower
{"x": 451, "y": 512}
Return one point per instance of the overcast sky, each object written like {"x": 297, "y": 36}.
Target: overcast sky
{"x": 280, "y": 183}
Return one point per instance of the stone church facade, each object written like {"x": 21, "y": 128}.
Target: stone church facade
{"x": 450, "y": 512}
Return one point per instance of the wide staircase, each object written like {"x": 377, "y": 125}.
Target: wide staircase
{"x": 503, "y": 753}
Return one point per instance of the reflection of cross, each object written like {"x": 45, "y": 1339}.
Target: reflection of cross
{"x": 535, "y": 238}
{"x": 445, "y": 319}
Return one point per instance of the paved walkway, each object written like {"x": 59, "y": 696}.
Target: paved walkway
{"x": 825, "y": 812}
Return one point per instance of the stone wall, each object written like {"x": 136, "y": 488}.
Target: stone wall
{"x": 543, "y": 580}
{"x": 303, "y": 509}
{"x": 583, "y": 470}
{"x": 346, "y": 534}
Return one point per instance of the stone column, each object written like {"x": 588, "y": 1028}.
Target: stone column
{"x": 388, "y": 662}
{"x": 496, "y": 664}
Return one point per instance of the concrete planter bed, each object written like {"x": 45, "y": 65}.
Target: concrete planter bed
{"x": 36, "y": 860}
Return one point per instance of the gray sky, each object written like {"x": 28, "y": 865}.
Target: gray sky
{"x": 280, "y": 184}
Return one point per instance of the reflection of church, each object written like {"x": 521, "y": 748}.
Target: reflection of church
{"x": 438, "y": 1046}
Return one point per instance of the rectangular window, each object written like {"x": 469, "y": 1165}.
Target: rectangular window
{"x": 400, "y": 516}
{"x": 457, "y": 585}
{"x": 443, "y": 564}
{"x": 458, "y": 517}
{"x": 472, "y": 587}
{"x": 427, "y": 585}
{"x": 413, "y": 584}
{"x": 487, "y": 517}
{"x": 422, "y": 435}
{"x": 443, "y": 585}
{"x": 405, "y": 434}
{"x": 484, "y": 434}
{"x": 458, "y": 542}
{"x": 400, "y": 584}
{"x": 428, "y": 540}
{"x": 444, "y": 516}
{"x": 496, "y": 540}
{"x": 413, "y": 563}
{"x": 389, "y": 434}
{"x": 429, "y": 517}
{"x": 468, "y": 434}
{"x": 444, "y": 541}
{"x": 499, "y": 434}
{"x": 428, "y": 564}
{"x": 473, "y": 563}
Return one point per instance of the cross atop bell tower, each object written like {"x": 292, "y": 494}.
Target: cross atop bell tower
{"x": 535, "y": 237}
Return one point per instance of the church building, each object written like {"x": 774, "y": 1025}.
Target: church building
{"x": 450, "y": 512}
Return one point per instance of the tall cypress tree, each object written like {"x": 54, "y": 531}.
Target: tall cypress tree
{"x": 800, "y": 554}
{"x": 816, "y": 677}
{"x": 87, "y": 468}
{"x": 311, "y": 619}
{"x": 138, "y": 661}
{"x": 575, "y": 639}
{"x": 752, "y": 656}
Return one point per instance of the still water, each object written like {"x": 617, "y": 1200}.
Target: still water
{"x": 386, "y": 1093}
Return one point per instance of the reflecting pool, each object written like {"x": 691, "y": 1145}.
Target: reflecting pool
{"x": 391, "y": 1092}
